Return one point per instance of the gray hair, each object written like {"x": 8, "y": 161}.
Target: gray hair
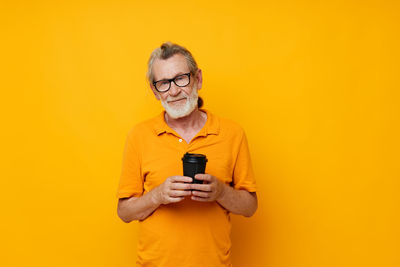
{"x": 167, "y": 50}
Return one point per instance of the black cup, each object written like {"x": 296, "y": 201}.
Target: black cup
{"x": 194, "y": 164}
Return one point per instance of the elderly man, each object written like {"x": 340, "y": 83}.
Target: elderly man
{"x": 182, "y": 223}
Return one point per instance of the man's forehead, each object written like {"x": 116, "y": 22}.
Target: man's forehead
{"x": 169, "y": 68}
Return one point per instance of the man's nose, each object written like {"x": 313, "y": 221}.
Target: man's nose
{"x": 174, "y": 90}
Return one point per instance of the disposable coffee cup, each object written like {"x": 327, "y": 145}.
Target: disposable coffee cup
{"x": 194, "y": 164}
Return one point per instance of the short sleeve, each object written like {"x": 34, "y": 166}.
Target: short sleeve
{"x": 243, "y": 175}
{"x": 131, "y": 181}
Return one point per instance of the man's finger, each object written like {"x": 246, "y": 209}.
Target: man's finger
{"x": 204, "y": 177}
{"x": 201, "y": 187}
{"x": 201, "y": 194}
{"x": 180, "y": 186}
{"x": 200, "y": 199}
{"x": 179, "y": 193}
{"x": 183, "y": 179}
{"x": 175, "y": 199}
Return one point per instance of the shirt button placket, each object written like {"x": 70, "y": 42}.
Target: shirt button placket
{"x": 183, "y": 145}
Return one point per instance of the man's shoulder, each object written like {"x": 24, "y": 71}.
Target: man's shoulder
{"x": 228, "y": 125}
{"x": 144, "y": 127}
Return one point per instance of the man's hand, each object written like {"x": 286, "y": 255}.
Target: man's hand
{"x": 210, "y": 190}
{"x": 172, "y": 190}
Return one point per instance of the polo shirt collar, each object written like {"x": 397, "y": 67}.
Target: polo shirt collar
{"x": 211, "y": 126}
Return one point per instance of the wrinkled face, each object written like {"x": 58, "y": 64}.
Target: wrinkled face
{"x": 177, "y": 101}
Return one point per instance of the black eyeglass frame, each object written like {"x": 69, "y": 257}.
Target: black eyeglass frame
{"x": 172, "y": 80}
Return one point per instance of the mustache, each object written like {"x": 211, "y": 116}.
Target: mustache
{"x": 183, "y": 96}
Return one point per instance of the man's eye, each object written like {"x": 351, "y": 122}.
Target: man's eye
{"x": 164, "y": 82}
{"x": 179, "y": 78}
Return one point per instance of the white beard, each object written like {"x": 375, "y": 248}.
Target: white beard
{"x": 186, "y": 109}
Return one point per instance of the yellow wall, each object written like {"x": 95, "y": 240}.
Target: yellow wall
{"x": 315, "y": 84}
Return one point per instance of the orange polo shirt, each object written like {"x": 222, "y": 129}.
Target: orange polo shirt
{"x": 187, "y": 233}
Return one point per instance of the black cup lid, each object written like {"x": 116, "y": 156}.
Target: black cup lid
{"x": 194, "y": 158}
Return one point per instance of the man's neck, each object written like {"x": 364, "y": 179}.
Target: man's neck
{"x": 194, "y": 120}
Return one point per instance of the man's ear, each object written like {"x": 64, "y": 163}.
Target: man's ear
{"x": 154, "y": 91}
{"x": 199, "y": 79}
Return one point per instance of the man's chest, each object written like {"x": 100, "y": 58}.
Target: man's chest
{"x": 163, "y": 158}
{"x": 187, "y": 136}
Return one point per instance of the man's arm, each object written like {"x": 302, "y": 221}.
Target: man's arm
{"x": 139, "y": 208}
{"x": 239, "y": 202}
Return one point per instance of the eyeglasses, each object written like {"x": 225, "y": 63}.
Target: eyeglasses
{"x": 180, "y": 80}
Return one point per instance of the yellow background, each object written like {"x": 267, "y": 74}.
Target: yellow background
{"x": 315, "y": 84}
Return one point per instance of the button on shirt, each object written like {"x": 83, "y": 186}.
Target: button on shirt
{"x": 187, "y": 233}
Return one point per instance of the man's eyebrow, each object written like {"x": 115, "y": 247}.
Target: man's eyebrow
{"x": 179, "y": 73}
